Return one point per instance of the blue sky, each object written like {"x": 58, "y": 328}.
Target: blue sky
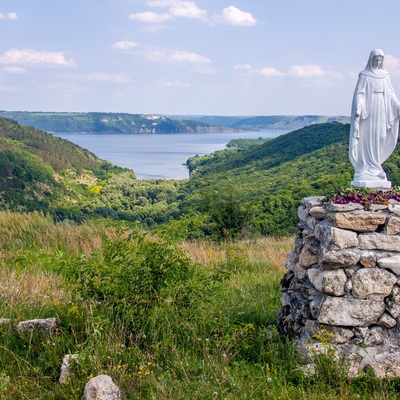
{"x": 211, "y": 57}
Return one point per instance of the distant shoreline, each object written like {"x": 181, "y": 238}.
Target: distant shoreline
{"x": 144, "y": 124}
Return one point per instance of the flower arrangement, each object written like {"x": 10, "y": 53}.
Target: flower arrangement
{"x": 365, "y": 196}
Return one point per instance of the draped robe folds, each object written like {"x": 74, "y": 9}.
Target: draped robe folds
{"x": 374, "y": 128}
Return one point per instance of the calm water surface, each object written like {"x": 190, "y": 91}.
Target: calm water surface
{"x": 158, "y": 155}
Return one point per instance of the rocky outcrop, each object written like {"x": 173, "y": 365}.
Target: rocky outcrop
{"x": 65, "y": 372}
{"x": 342, "y": 286}
{"x": 101, "y": 387}
{"x": 46, "y": 325}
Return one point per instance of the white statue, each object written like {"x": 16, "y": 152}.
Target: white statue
{"x": 374, "y": 124}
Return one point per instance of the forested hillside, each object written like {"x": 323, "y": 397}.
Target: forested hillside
{"x": 97, "y": 122}
{"x": 263, "y": 186}
{"x": 245, "y": 189}
{"x": 41, "y": 172}
{"x": 285, "y": 122}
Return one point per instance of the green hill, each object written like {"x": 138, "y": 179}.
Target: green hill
{"x": 40, "y": 172}
{"x": 96, "y": 122}
{"x": 284, "y": 122}
{"x": 272, "y": 178}
{"x": 244, "y": 189}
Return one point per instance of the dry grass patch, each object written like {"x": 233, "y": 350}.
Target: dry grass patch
{"x": 30, "y": 287}
{"x": 36, "y": 231}
{"x": 265, "y": 250}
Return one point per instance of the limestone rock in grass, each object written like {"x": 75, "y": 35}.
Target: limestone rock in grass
{"x": 336, "y": 259}
{"x": 101, "y": 387}
{"x": 359, "y": 221}
{"x": 392, "y": 263}
{"x": 394, "y": 209}
{"x": 373, "y": 283}
{"x": 65, "y": 367}
{"x": 335, "y": 238}
{"x": 330, "y": 282}
{"x": 333, "y": 207}
{"x": 387, "y": 321}
{"x": 375, "y": 336}
{"x": 393, "y": 302}
{"x": 48, "y": 325}
{"x": 340, "y": 311}
{"x": 4, "y": 321}
{"x": 393, "y": 225}
{"x": 379, "y": 241}
{"x": 318, "y": 212}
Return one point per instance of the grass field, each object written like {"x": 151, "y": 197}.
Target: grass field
{"x": 191, "y": 320}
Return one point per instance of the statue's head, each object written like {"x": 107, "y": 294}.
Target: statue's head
{"x": 376, "y": 59}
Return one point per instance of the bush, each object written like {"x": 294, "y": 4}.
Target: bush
{"x": 131, "y": 276}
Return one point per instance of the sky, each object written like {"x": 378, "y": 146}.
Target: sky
{"x": 202, "y": 57}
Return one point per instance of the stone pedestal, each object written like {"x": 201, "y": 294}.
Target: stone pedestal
{"x": 342, "y": 288}
{"x": 373, "y": 184}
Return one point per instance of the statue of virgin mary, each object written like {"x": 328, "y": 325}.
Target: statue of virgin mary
{"x": 374, "y": 124}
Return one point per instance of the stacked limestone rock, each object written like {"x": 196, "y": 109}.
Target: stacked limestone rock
{"x": 343, "y": 282}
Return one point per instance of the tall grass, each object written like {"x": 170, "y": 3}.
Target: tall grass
{"x": 189, "y": 321}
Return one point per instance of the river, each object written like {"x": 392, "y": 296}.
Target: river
{"x": 158, "y": 155}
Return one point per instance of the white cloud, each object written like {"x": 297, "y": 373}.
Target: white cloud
{"x": 307, "y": 71}
{"x": 180, "y": 8}
{"x": 186, "y": 56}
{"x": 187, "y": 9}
{"x": 150, "y": 17}
{"x": 161, "y": 3}
{"x": 11, "y": 16}
{"x": 243, "y": 67}
{"x": 392, "y": 64}
{"x": 123, "y": 45}
{"x": 35, "y": 57}
{"x": 266, "y": 71}
{"x": 107, "y": 77}
{"x": 234, "y": 16}
{"x": 270, "y": 71}
{"x": 176, "y": 56}
{"x": 14, "y": 70}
